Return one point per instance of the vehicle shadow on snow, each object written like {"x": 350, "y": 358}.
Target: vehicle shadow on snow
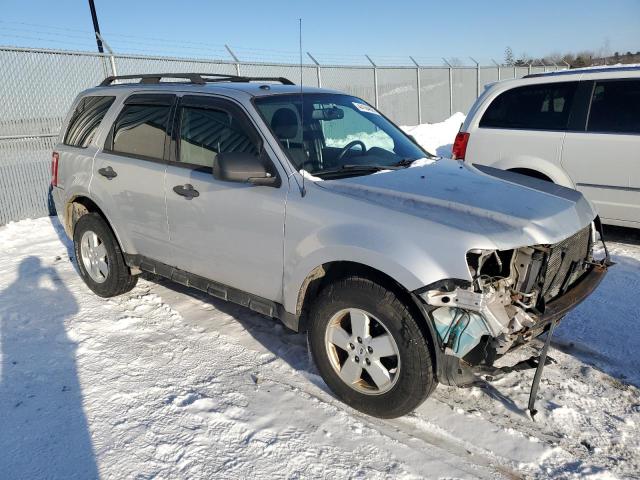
{"x": 626, "y": 235}
{"x": 64, "y": 239}
{"x": 44, "y": 432}
{"x": 603, "y": 331}
{"x": 284, "y": 343}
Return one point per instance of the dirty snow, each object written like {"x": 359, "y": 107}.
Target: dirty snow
{"x": 164, "y": 382}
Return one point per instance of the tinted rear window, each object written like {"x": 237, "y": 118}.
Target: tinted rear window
{"x": 85, "y": 120}
{"x": 615, "y": 107}
{"x": 533, "y": 107}
{"x": 140, "y": 130}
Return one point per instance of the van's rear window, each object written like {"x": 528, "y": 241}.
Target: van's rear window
{"x": 532, "y": 107}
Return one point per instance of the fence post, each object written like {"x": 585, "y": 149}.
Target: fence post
{"x": 112, "y": 60}
{"x": 567, "y": 64}
{"x": 477, "y": 76}
{"x": 235, "y": 59}
{"x": 544, "y": 66}
{"x": 450, "y": 86}
{"x": 375, "y": 79}
{"x": 317, "y": 69}
{"x": 497, "y": 66}
{"x": 419, "y": 94}
{"x": 529, "y": 69}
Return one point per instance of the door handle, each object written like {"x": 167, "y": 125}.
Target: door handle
{"x": 186, "y": 191}
{"x": 108, "y": 172}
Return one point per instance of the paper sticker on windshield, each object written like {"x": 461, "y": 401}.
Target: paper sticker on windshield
{"x": 365, "y": 108}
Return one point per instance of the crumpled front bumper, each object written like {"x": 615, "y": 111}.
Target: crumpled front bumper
{"x": 560, "y": 306}
{"x": 454, "y": 371}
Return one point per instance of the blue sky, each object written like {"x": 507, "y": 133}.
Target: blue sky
{"x": 337, "y": 31}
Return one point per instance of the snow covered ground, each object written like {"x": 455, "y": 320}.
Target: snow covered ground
{"x": 164, "y": 382}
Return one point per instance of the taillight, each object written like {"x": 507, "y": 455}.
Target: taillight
{"x": 54, "y": 169}
{"x": 460, "y": 146}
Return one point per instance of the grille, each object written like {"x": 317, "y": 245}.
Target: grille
{"x": 566, "y": 258}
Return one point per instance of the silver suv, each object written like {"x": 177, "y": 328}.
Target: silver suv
{"x": 310, "y": 206}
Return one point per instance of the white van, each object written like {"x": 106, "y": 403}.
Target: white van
{"x": 576, "y": 128}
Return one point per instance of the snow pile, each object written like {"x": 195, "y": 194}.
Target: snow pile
{"x": 165, "y": 382}
{"x": 437, "y": 138}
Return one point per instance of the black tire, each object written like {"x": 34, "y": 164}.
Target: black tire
{"x": 119, "y": 279}
{"x": 415, "y": 381}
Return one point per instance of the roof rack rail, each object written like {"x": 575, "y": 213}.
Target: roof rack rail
{"x": 197, "y": 78}
{"x": 597, "y": 69}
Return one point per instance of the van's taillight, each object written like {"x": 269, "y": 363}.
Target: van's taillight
{"x": 54, "y": 169}
{"x": 460, "y": 146}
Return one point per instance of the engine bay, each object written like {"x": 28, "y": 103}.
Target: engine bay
{"x": 503, "y": 305}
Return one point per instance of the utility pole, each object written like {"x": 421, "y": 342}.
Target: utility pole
{"x": 96, "y": 27}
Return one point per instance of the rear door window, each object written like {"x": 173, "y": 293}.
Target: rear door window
{"x": 141, "y": 128}
{"x": 532, "y": 107}
{"x": 86, "y": 119}
{"x": 615, "y": 107}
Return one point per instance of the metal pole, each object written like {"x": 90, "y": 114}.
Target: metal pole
{"x": 477, "y": 76}
{"x": 529, "y": 69}
{"x": 450, "y": 86}
{"x": 317, "y": 69}
{"x": 419, "y": 93}
{"x": 498, "y": 66}
{"x": 375, "y": 79}
{"x": 544, "y": 66}
{"x": 235, "y": 59}
{"x": 555, "y": 66}
{"x": 96, "y": 26}
{"x": 567, "y": 64}
{"x": 112, "y": 59}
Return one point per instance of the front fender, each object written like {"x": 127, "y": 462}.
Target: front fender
{"x": 409, "y": 263}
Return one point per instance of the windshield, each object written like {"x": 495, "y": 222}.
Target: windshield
{"x": 340, "y": 135}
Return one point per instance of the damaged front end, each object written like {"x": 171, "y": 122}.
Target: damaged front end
{"x": 514, "y": 296}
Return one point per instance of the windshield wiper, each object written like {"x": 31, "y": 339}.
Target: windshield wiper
{"x": 348, "y": 168}
{"x": 405, "y": 162}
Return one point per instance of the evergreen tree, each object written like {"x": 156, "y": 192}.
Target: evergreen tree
{"x": 508, "y": 56}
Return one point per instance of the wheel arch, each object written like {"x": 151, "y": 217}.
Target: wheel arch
{"x": 80, "y": 205}
{"x": 536, "y": 167}
{"x": 531, "y": 173}
{"x": 333, "y": 271}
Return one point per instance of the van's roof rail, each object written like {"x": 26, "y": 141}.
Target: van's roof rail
{"x": 598, "y": 69}
{"x": 197, "y": 78}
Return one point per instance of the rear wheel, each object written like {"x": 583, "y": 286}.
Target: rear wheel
{"x": 99, "y": 257}
{"x": 369, "y": 349}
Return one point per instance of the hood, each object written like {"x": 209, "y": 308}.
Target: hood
{"x": 510, "y": 209}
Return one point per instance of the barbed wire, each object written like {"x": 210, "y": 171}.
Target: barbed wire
{"x": 124, "y": 43}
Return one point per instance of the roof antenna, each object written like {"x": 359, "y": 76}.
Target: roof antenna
{"x": 303, "y": 191}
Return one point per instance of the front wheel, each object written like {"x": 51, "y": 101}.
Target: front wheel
{"x": 369, "y": 348}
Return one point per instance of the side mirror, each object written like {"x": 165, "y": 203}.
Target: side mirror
{"x": 243, "y": 167}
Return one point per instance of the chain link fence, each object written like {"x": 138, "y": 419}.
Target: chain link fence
{"x": 37, "y": 87}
